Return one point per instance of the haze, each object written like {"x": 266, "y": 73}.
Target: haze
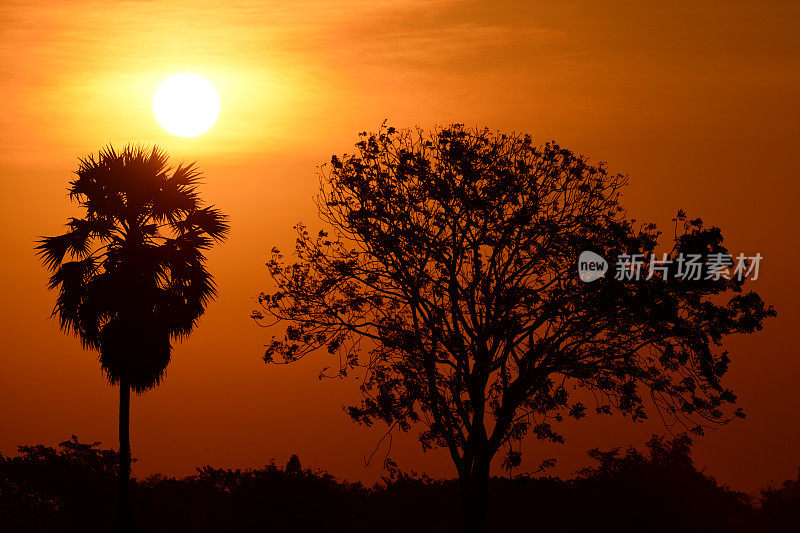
{"x": 698, "y": 104}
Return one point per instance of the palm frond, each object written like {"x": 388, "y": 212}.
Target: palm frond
{"x": 186, "y": 175}
{"x": 80, "y": 236}
{"x": 77, "y": 241}
{"x": 70, "y": 279}
{"x": 208, "y": 220}
{"x": 185, "y": 300}
{"x": 171, "y": 201}
{"x": 96, "y": 308}
{"x": 52, "y": 250}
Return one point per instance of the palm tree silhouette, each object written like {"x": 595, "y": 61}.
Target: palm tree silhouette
{"x": 136, "y": 276}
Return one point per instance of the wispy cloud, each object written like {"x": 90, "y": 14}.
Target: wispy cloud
{"x": 77, "y": 66}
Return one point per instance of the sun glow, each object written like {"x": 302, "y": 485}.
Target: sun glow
{"x": 186, "y": 105}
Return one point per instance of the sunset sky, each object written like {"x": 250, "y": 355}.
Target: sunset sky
{"x": 699, "y": 104}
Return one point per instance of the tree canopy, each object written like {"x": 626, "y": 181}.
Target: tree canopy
{"x": 446, "y": 272}
{"x": 130, "y": 274}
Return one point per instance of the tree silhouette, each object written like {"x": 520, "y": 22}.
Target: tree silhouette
{"x": 447, "y": 273}
{"x": 136, "y": 278}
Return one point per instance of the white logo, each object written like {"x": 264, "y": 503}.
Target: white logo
{"x": 591, "y": 266}
{"x": 692, "y": 267}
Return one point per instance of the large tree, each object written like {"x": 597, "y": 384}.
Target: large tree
{"x": 130, "y": 273}
{"x": 446, "y": 272}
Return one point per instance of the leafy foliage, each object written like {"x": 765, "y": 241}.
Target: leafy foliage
{"x": 659, "y": 489}
{"x": 64, "y": 489}
{"x": 781, "y": 505}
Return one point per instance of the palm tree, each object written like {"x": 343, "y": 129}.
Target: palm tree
{"x": 131, "y": 274}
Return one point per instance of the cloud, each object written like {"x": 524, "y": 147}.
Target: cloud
{"x": 86, "y": 70}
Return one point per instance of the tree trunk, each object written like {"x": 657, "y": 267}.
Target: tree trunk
{"x": 474, "y": 489}
{"x": 123, "y": 494}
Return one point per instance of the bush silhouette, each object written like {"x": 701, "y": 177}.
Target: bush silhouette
{"x": 70, "y": 488}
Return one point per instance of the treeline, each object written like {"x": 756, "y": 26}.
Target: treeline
{"x": 72, "y": 488}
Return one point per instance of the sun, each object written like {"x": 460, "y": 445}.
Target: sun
{"x": 186, "y": 105}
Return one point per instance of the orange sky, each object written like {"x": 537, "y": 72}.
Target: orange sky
{"x": 698, "y": 104}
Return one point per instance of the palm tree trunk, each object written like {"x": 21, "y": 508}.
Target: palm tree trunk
{"x": 123, "y": 496}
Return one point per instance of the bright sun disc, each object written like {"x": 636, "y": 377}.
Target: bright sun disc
{"x": 186, "y": 105}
